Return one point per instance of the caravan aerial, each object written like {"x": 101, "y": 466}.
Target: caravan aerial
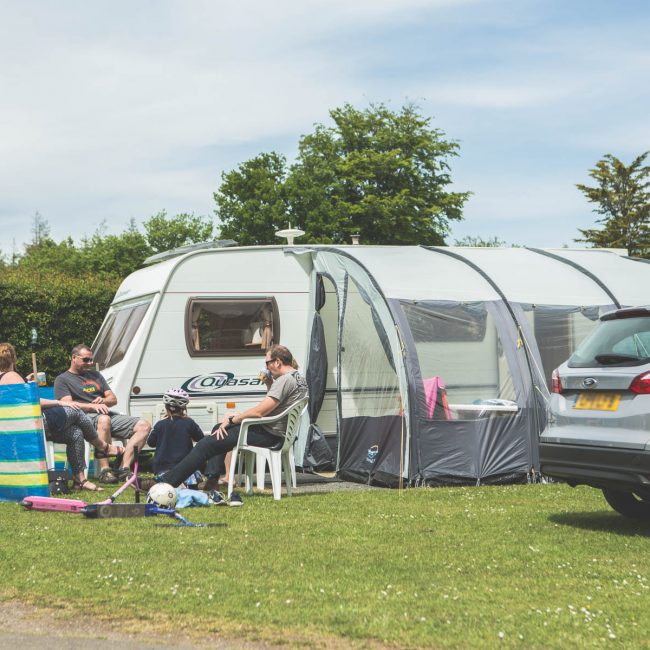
{"x": 426, "y": 365}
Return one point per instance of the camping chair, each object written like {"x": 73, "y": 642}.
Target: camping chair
{"x": 50, "y": 454}
{"x": 279, "y": 460}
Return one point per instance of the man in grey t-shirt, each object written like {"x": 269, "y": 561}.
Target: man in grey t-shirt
{"x": 88, "y": 389}
{"x": 288, "y": 387}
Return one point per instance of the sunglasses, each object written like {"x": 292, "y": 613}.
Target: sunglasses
{"x": 269, "y": 361}
{"x": 86, "y": 359}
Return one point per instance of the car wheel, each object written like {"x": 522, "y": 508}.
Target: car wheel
{"x": 628, "y": 504}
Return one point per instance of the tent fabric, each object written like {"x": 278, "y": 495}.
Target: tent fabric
{"x": 444, "y": 356}
{"x": 23, "y": 470}
{"x": 317, "y": 454}
{"x": 617, "y": 271}
{"x": 316, "y": 373}
{"x": 524, "y": 276}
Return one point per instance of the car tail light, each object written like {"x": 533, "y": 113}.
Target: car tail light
{"x": 556, "y": 382}
{"x": 641, "y": 384}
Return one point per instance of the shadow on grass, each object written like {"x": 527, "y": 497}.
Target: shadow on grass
{"x": 609, "y": 522}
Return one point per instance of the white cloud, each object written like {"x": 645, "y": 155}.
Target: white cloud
{"x": 120, "y": 109}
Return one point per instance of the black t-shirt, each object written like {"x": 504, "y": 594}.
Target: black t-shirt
{"x": 172, "y": 438}
{"x": 82, "y": 387}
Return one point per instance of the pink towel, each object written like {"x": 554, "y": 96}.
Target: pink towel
{"x": 432, "y": 386}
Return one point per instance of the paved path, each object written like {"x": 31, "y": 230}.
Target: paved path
{"x": 26, "y": 627}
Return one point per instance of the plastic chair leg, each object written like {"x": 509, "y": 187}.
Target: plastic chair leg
{"x": 249, "y": 461}
{"x": 231, "y": 474}
{"x": 49, "y": 454}
{"x": 292, "y": 461}
{"x": 260, "y": 464}
{"x": 276, "y": 475}
{"x": 286, "y": 467}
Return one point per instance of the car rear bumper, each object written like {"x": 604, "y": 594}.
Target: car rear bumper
{"x": 625, "y": 469}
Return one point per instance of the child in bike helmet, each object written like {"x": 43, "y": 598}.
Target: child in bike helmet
{"x": 173, "y": 436}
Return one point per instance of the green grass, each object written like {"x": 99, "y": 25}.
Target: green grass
{"x": 541, "y": 565}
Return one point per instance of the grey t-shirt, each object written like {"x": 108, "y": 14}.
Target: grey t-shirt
{"x": 287, "y": 389}
{"x": 84, "y": 387}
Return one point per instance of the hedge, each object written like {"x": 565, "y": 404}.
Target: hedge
{"x": 64, "y": 310}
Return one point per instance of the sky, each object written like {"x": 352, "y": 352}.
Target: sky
{"x": 112, "y": 111}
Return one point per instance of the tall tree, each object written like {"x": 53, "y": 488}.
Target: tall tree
{"x": 479, "y": 242}
{"x": 46, "y": 256}
{"x": 40, "y": 229}
{"x": 251, "y": 201}
{"x": 381, "y": 174}
{"x": 622, "y": 195}
{"x": 115, "y": 255}
{"x": 164, "y": 233}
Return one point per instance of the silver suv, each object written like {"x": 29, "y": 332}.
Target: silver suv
{"x": 598, "y": 432}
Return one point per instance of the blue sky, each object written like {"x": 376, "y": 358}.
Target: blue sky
{"x": 117, "y": 110}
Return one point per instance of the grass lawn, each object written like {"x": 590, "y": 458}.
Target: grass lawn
{"x": 542, "y": 565}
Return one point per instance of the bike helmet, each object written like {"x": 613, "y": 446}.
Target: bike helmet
{"x": 176, "y": 398}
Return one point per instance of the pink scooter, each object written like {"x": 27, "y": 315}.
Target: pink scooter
{"x": 54, "y": 504}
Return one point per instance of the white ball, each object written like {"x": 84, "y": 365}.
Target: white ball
{"x": 163, "y": 495}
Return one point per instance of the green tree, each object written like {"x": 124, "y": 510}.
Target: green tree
{"x": 162, "y": 233}
{"x": 64, "y": 309}
{"x": 40, "y": 228}
{"x": 115, "y": 255}
{"x": 479, "y": 242}
{"x": 381, "y": 174}
{"x": 251, "y": 201}
{"x": 46, "y": 256}
{"x": 622, "y": 195}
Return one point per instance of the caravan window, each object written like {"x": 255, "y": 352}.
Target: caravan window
{"x": 227, "y": 327}
{"x": 117, "y": 332}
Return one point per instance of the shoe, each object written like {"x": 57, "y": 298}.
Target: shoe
{"x": 123, "y": 474}
{"x": 209, "y": 484}
{"x": 217, "y": 499}
{"x": 107, "y": 476}
{"x": 235, "y": 500}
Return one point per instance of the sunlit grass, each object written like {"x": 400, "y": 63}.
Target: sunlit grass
{"x": 541, "y": 565}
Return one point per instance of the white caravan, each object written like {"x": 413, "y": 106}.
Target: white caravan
{"x": 200, "y": 321}
{"x": 425, "y": 365}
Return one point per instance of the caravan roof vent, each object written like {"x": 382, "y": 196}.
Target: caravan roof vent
{"x": 290, "y": 233}
{"x": 181, "y": 250}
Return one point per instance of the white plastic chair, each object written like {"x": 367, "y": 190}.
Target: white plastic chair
{"x": 50, "y": 459}
{"x": 279, "y": 460}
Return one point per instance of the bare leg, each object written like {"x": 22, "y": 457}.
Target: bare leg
{"x": 104, "y": 433}
{"x": 139, "y": 438}
{"x": 227, "y": 462}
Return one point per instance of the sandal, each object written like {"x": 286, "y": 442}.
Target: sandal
{"x": 86, "y": 485}
{"x": 106, "y": 451}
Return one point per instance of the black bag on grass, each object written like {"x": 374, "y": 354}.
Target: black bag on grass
{"x": 58, "y": 481}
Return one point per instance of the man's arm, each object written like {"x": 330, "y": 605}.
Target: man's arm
{"x": 260, "y": 410}
{"x": 86, "y": 407}
{"x": 109, "y": 399}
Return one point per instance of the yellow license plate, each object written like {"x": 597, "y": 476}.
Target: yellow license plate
{"x": 598, "y": 401}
